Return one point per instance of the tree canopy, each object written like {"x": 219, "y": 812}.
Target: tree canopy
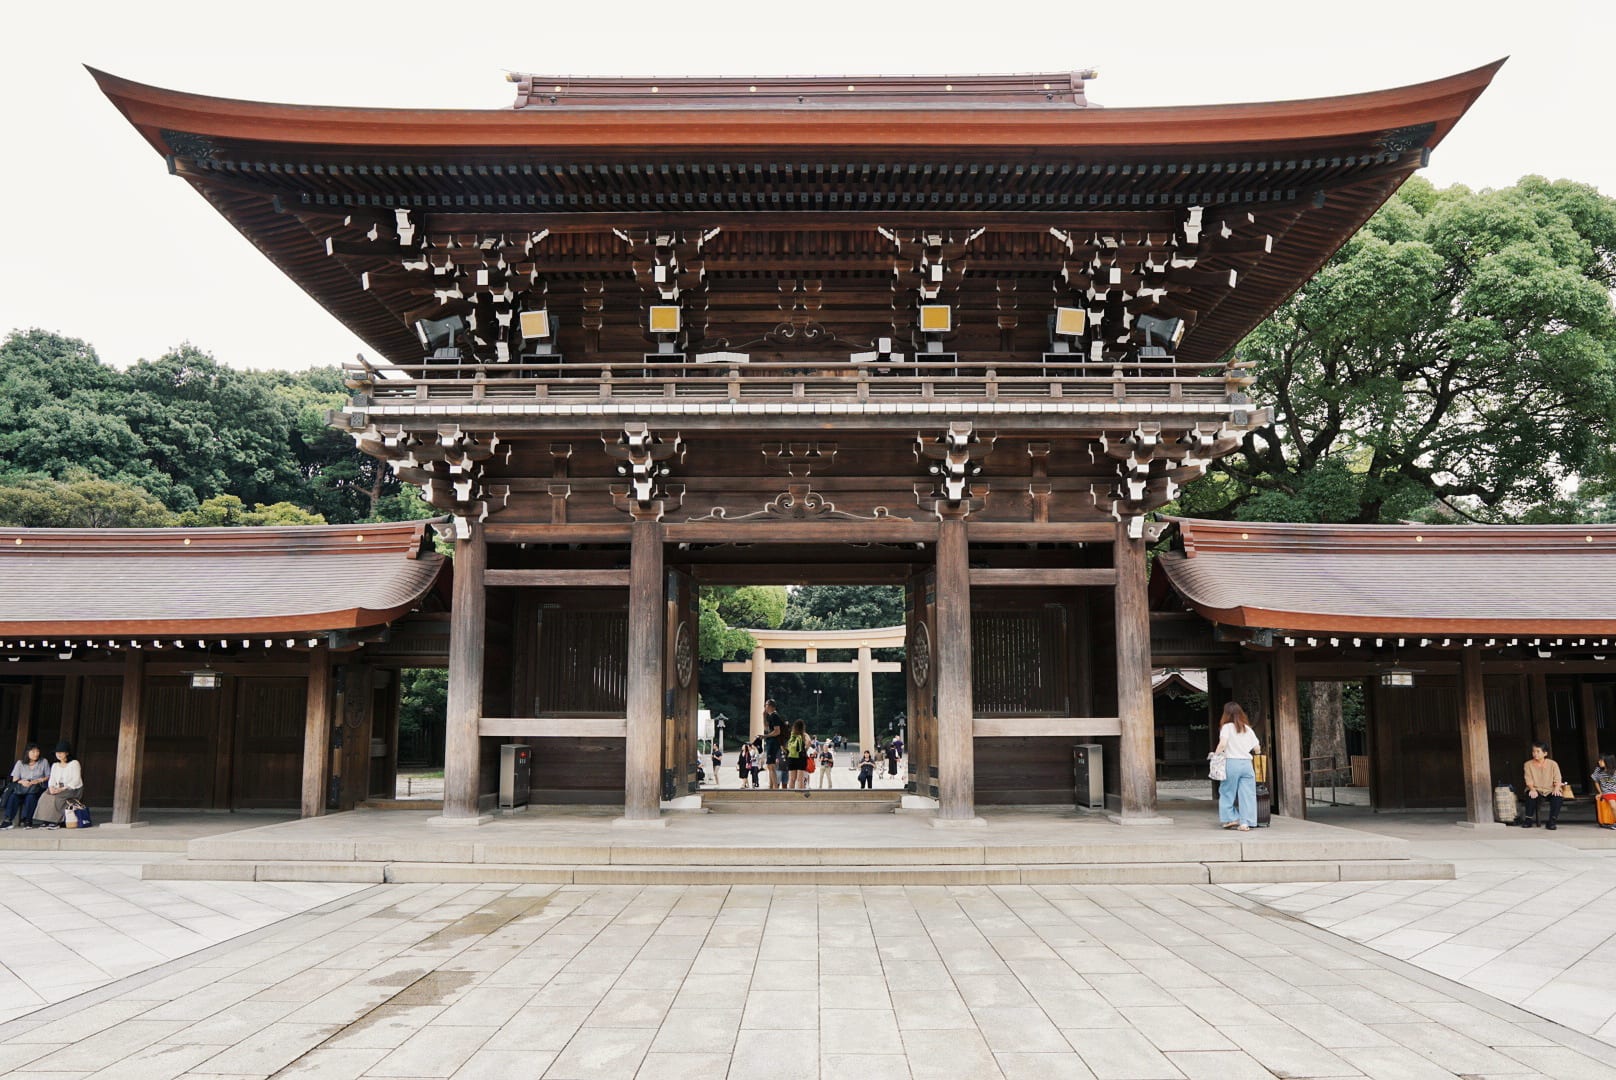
{"x": 166, "y": 437}
{"x": 1453, "y": 360}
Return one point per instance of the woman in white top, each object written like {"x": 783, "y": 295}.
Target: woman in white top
{"x": 1237, "y": 742}
{"x": 66, "y": 782}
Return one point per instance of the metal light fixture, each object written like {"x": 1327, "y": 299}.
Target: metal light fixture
{"x": 936, "y": 318}
{"x": 1396, "y": 676}
{"x": 664, "y": 319}
{"x": 1069, "y": 322}
{"x": 442, "y": 336}
{"x": 535, "y": 325}
{"x": 1165, "y": 333}
{"x": 205, "y": 679}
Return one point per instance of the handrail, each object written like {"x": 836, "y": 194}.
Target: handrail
{"x": 830, "y": 380}
{"x": 1310, "y": 782}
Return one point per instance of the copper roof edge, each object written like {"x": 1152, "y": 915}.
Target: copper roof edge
{"x": 154, "y": 109}
{"x": 1203, "y": 535}
{"x": 218, "y": 539}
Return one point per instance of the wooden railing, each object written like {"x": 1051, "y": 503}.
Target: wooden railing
{"x": 579, "y": 382}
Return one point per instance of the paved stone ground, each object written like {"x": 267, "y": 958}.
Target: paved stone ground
{"x": 72, "y": 921}
{"x": 1527, "y": 918}
{"x": 1046, "y": 982}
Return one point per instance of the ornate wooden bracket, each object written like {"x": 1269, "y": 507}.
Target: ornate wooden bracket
{"x": 800, "y": 459}
{"x": 955, "y": 458}
{"x": 799, "y": 502}
{"x": 447, "y": 467}
{"x": 643, "y": 460}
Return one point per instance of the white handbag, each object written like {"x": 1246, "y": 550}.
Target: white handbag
{"x": 1217, "y": 768}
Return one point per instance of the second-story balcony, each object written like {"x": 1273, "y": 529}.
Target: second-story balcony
{"x": 1060, "y": 384}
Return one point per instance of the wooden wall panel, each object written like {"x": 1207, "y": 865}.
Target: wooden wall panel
{"x": 178, "y": 767}
{"x": 1026, "y": 770}
{"x": 100, "y": 700}
{"x": 1417, "y": 745}
{"x": 582, "y": 663}
{"x": 268, "y": 772}
{"x": 1020, "y": 661}
{"x": 577, "y": 770}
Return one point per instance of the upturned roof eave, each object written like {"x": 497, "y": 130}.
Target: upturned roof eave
{"x": 1439, "y": 102}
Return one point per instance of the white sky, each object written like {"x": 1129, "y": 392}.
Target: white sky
{"x": 101, "y": 243}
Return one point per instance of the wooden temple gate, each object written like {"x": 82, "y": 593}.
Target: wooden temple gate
{"x": 959, "y": 334}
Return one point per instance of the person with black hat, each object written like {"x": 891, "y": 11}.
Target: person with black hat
{"x": 66, "y": 782}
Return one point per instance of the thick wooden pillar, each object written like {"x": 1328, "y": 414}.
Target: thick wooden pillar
{"x": 951, "y": 661}
{"x": 25, "y": 721}
{"x": 131, "y": 739}
{"x": 1542, "y": 731}
{"x": 1590, "y": 732}
{"x": 468, "y": 631}
{"x": 72, "y": 692}
{"x": 1287, "y": 748}
{"x": 317, "y": 732}
{"x": 866, "y": 698}
{"x": 1136, "y": 709}
{"x": 760, "y": 689}
{"x": 642, "y": 788}
{"x": 1473, "y": 754}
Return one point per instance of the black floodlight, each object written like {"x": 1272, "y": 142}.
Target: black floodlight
{"x": 1164, "y": 332}
{"x": 442, "y": 336}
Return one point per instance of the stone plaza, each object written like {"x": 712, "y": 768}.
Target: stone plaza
{"x": 1493, "y": 971}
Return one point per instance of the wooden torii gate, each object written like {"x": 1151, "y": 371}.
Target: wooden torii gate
{"x": 864, "y": 641}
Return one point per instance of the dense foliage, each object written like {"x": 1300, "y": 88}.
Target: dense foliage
{"x": 834, "y": 708}
{"x": 83, "y": 444}
{"x": 1452, "y": 361}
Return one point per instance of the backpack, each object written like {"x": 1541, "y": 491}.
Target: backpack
{"x": 794, "y": 746}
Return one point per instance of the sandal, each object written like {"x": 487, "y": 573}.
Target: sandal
{"x": 1245, "y": 828}
{"x": 1229, "y": 824}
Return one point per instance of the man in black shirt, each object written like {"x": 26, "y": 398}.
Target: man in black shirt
{"x": 774, "y": 741}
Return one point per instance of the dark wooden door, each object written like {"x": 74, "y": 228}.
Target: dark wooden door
{"x": 680, "y": 690}
{"x": 1417, "y": 745}
{"x": 268, "y": 770}
{"x": 100, "y": 702}
{"x": 178, "y": 768}
{"x": 920, "y": 677}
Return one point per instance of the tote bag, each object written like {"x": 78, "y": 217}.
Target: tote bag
{"x": 1216, "y": 766}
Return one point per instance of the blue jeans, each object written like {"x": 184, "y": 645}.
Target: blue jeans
{"x": 1238, "y": 780}
{"x": 20, "y": 808}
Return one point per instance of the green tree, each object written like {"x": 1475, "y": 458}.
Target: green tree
{"x": 1454, "y": 359}
{"x": 228, "y": 511}
{"x": 35, "y": 501}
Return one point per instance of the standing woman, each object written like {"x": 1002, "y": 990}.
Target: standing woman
{"x": 866, "y": 771}
{"x": 797, "y": 757}
{"x": 1237, "y": 742}
{"x": 66, "y": 782}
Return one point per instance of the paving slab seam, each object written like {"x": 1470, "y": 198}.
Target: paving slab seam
{"x": 77, "y": 1003}
{"x": 1504, "y": 1010}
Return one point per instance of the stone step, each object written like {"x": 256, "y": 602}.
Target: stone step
{"x": 469, "y": 848}
{"x": 1154, "y": 873}
{"x": 798, "y": 802}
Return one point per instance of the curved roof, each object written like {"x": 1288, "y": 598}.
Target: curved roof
{"x": 157, "y": 112}
{"x": 200, "y": 582}
{"x": 1398, "y": 579}
{"x": 316, "y": 188}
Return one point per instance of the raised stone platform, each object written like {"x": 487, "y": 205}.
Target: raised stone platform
{"x": 577, "y": 845}
{"x": 764, "y": 801}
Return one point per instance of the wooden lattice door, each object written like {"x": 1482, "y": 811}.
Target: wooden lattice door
{"x": 920, "y": 740}
{"x": 680, "y": 688}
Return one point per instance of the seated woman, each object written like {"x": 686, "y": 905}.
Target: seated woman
{"x": 28, "y": 779}
{"x": 66, "y": 782}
